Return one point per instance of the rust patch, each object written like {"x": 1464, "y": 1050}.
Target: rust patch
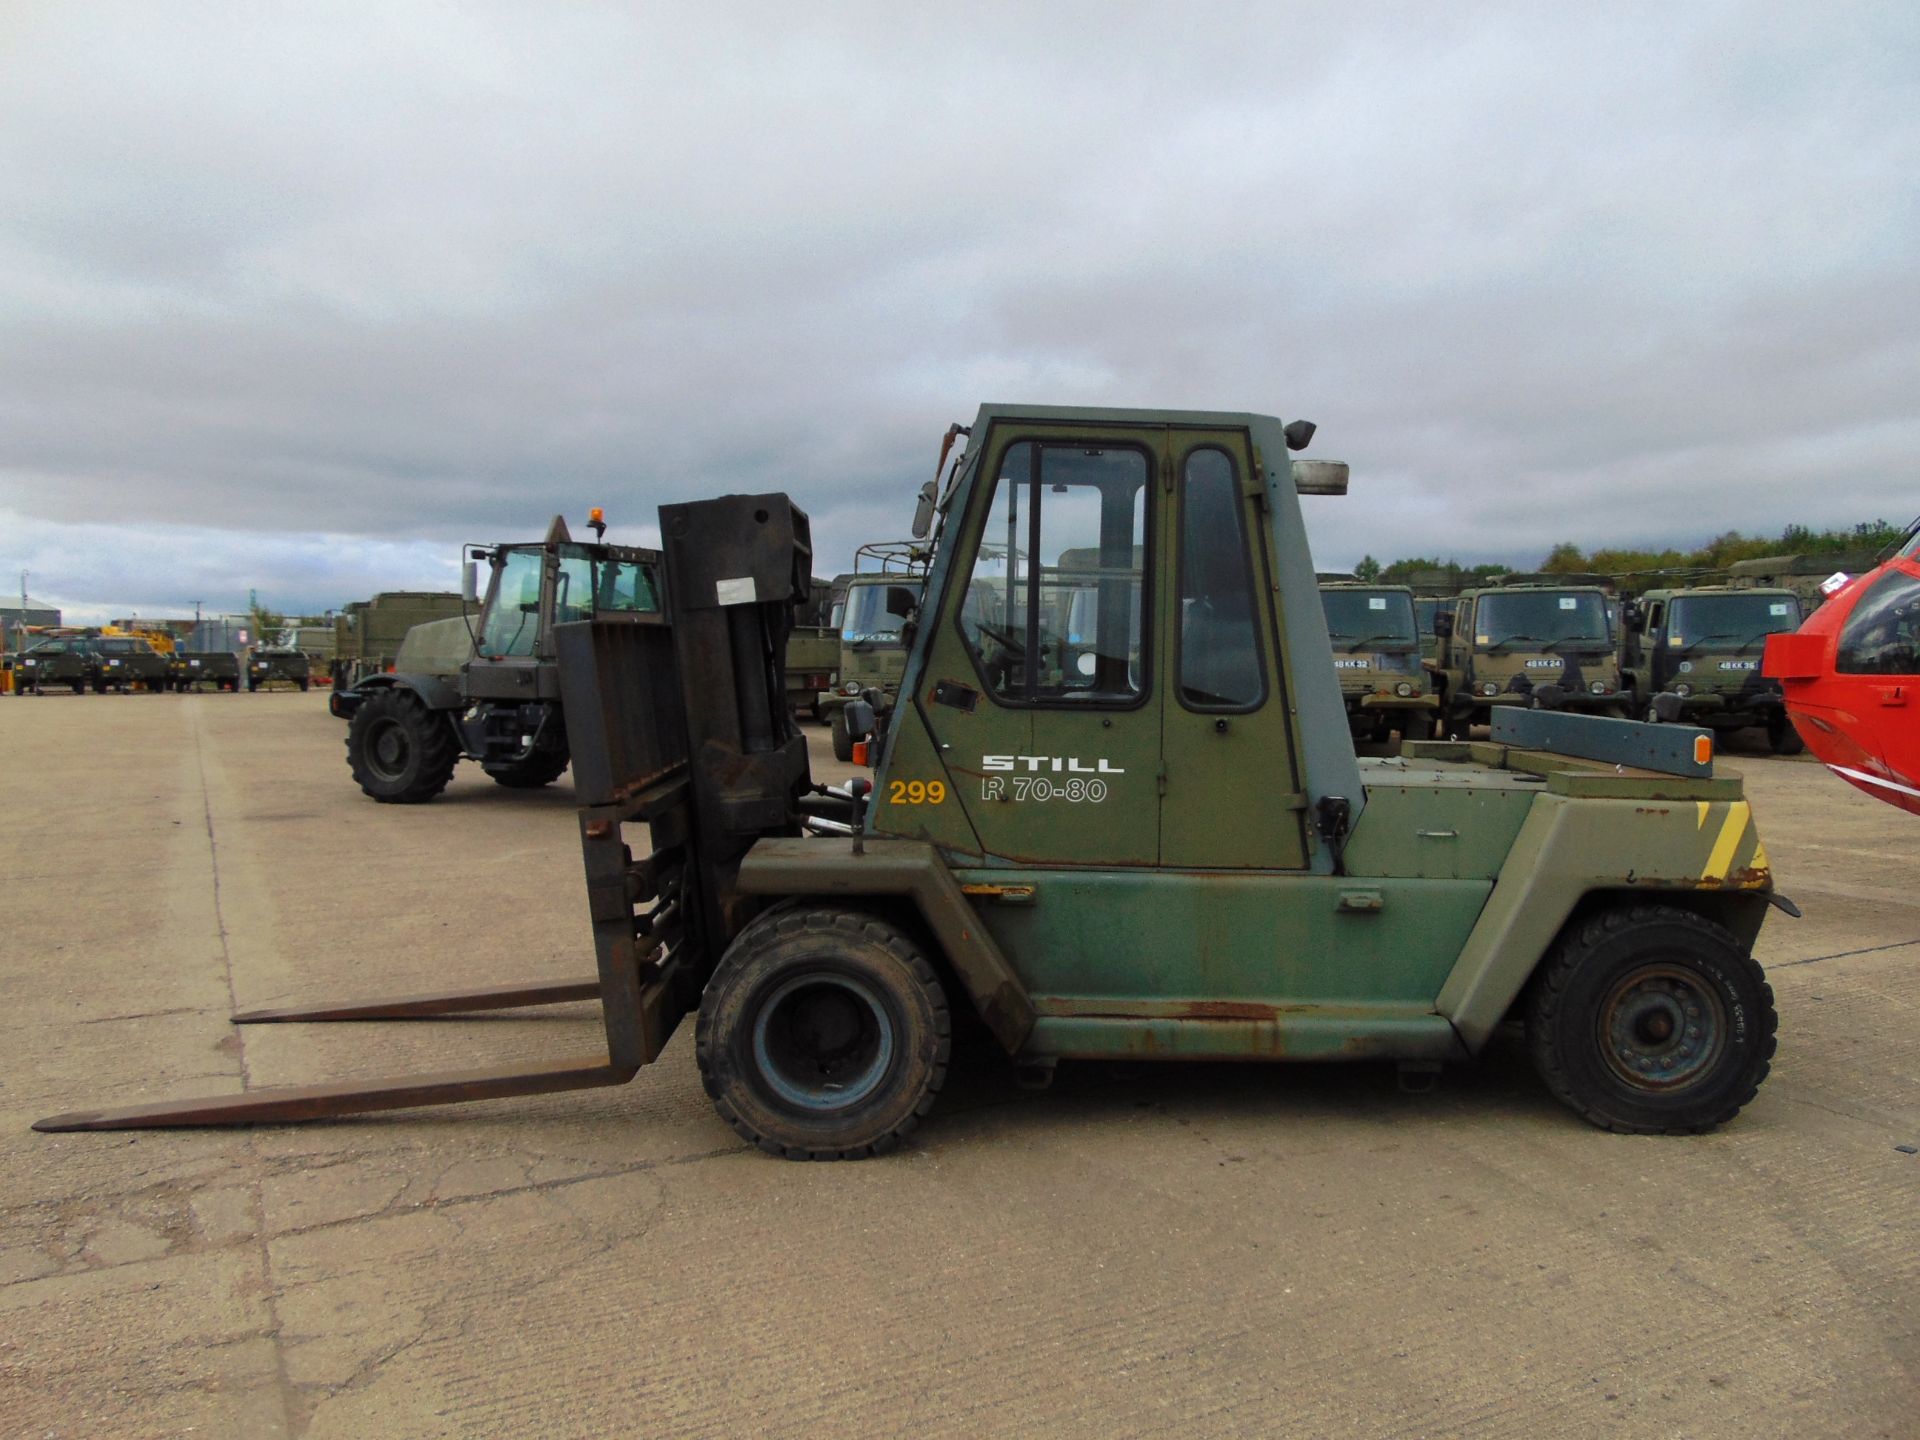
{"x": 1224, "y": 1010}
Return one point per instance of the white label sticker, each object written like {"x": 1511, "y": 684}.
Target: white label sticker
{"x": 1567, "y": 602}
{"x": 1778, "y": 607}
{"x": 736, "y": 592}
{"x": 1376, "y": 602}
{"x": 1833, "y": 582}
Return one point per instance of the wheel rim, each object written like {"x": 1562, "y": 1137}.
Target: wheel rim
{"x": 1662, "y": 1028}
{"x": 823, "y": 1041}
{"x": 388, "y": 748}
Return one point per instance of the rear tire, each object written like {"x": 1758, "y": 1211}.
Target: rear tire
{"x": 1650, "y": 1020}
{"x": 842, "y": 741}
{"x": 531, "y": 771}
{"x": 304, "y": 684}
{"x": 400, "y": 752}
{"x": 823, "y": 1035}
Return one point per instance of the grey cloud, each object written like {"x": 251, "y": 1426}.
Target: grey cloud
{"x": 404, "y": 277}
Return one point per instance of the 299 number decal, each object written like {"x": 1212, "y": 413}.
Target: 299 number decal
{"x": 916, "y": 792}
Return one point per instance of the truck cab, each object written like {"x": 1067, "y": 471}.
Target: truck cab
{"x": 1376, "y": 654}
{"x": 1533, "y": 646}
{"x": 873, "y": 650}
{"x": 1694, "y": 655}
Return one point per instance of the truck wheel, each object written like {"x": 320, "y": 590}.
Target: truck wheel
{"x": 400, "y": 752}
{"x": 1650, "y": 1020}
{"x": 1782, "y": 738}
{"x": 823, "y": 1034}
{"x": 305, "y": 684}
{"x": 842, "y": 741}
{"x": 531, "y": 771}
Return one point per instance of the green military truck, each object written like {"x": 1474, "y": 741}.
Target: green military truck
{"x": 61, "y": 660}
{"x": 486, "y": 687}
{"x": 1170, "y": 853}
{"x": 121, "y": 662}
{"x": 367, "y": 633}
{"x": 1376, "y": 655}
{"x": 1546, "y": 647}
{"x": 282, "y": 664}
{"x": 1694, "y": 656}
{"x": 190, "y": 669}
{"x": 873, "y": 651}
{"x": 813, "y": 654}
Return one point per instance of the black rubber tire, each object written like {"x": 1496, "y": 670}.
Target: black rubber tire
{"x": 1782, "y": 738}
{"x": 531, "y": 771}
{"x": 304, "y": 684}
{"x": 842, "y": 740}
{"x": 786, "y": 959}
{"x": 1577, "y": 997}
{"x": 400, "y": 752}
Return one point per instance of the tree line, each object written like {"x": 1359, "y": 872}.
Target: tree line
{"x": 1567, "y": 558}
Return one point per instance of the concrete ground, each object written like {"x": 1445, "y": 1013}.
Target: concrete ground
{"x": 1228, "y": 1250}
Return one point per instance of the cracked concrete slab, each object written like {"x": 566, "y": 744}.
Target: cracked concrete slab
{"x": 1221, "y": 1250}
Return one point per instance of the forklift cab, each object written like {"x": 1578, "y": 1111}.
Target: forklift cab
{"x": 1101, "y": 678}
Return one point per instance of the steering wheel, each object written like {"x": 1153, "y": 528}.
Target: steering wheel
{"x": 1016, "y": 648}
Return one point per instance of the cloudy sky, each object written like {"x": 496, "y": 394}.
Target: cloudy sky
{"x": 297, "y": 298}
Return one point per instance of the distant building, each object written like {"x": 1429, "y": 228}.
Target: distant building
{"x": 14, "y": 615}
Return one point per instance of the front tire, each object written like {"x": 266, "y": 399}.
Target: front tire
{"x": 1651, "y": 1020}
{"x": 823, "y": 1035}
{"x": 842, "y": 740}
{"x": 400, "y": 752}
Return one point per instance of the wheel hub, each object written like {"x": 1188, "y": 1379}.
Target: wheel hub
{"x": 1662, "y": 1027}
{"x": 388, "y": 748}
{"x": 823, "y": 1041}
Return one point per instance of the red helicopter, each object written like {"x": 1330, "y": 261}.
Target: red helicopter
{"x": 1851, "y": 677}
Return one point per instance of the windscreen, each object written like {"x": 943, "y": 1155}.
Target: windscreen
{"x": 1733, "y": 622}
{"x": 1522, "y": 619}
{"x": 865, "y": 619}
{"x": 513, "y": 619}
{"x": 1360, "y": 617}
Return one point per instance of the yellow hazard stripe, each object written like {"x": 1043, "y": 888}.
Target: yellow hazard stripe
{"x": 1732, "y": 830}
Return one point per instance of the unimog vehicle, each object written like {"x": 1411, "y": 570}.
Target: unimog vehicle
{"x": 1175, "y": 856}
{"x": 1694, "y": 656}
{"x": 60, "y": 660}
{"x": 487, "y": 688}
{"x": 122, "y": 661}
{"x": 190, "y": 669}
{"x": 872, "y": 651}
{"x": 283, "y": 664}
{"x": 1547, "y": 647}
{"x": 1376, "y": 654}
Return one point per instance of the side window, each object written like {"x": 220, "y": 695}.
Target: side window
{"x": 1656, "y": 620}
{"x": 1882, "y": 635}
{"x": 623, "y": 587}
{"x": 1219, "y": 636}
{"x": 1052, "y": 607}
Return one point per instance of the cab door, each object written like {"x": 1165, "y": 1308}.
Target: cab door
{"x": 1233, "y": 798}
{"x": 1039, "y": 690}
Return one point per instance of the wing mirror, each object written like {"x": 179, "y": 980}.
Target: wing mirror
{"x": 470, "y": 582}
{"x": 923, "y": 515}
{"x": 902, "y": 601}
{"x": 1443, "y": 625}
{"x": 1320, "y": 477}
{"x": 860, "y": 719}
{"x": 1634, "y": 617}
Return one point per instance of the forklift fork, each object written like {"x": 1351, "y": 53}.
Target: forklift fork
{"x": 643, "y": 989}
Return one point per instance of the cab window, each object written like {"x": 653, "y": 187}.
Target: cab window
{"x": 513, "y": 619}
{"x": 1219, "y": 641}
{"x": 1882, "y": 635}
{"x": 623, "y": 587}
{"x": 1051, "y": 612}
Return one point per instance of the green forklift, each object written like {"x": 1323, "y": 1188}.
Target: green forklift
{"x": 1168, "y": 851}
